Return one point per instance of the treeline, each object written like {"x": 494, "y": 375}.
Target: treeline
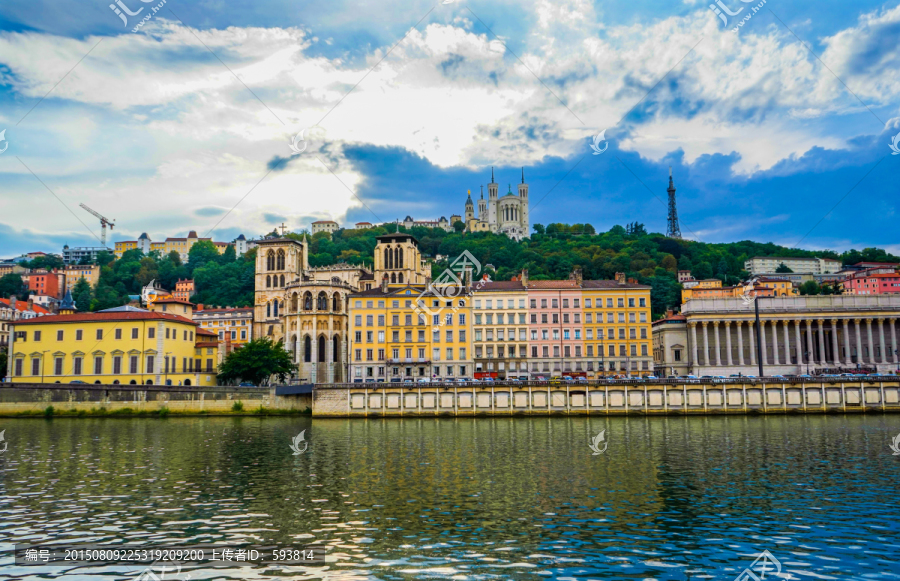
{"x": 552, "y": 252}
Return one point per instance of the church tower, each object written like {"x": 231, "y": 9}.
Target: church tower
{"x": 470, "y": 209}
{"x": 523, "y": 197}
{"x": 398, "y": 260}
{"x": 492, "y": 202}
{"x": 482, "y": 207}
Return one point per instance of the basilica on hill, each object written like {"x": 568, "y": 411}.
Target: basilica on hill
{"x": 507, "y": 215}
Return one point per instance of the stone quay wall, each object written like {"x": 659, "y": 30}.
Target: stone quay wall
{"x": 742, "y": 396}
{"x": 25, "y": 399}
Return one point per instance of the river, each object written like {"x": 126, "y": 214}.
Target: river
{"x": 464, "y": 498}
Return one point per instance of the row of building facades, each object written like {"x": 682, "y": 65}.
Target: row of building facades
{"x": 347, "y": 323}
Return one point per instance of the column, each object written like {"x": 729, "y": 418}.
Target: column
{"x": 752, "y": 345}
{"x": 848, "y": 356}
{"x": 329, "y": 359}
{"x": 313, "y": 356}
{"x": 809, "y": 343}
{"x": 775, "y": 343}
{"x": 718, "y": 349}
{"x": 893, "y": 323}
{"x": 859, "y": 353}
{"x": 740, "y": 334}
{"x": 834, "y": 344}
{"x": 705, "y": 344}
{"x": 884, "y": 358}
{"x": 694, "y": 342}
{"x": 728, "y": 342}
{"x": 822, "y": 359}
{"x": 871, "y": 343}
{"x": 787, "y": 343}
{"x": 798, "y": 340}
{"x": 762, "y": 342}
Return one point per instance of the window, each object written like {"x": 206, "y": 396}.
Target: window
{"x": 99, "y": 334}
{"x": 357, "y": 320}
{"x": 381, "y": 320}
{"x": 631, "y": 302}
{"x": 462, "y": 319}
{"x": 150, "y": 364}
{"x": 620, "y": 302}
{"x": 134, "y": 333}
{"x": 609, "y": 303}
{"x": 35, "y": 366}
{"x": 76, "y": 366}
{"x": 79, "y": 333}
{"x": 462, "y": 335}
{"x": 133, "y": 364}
{"x": 369, "y": 320}
{"x": 565, "y": 303}
{"x": 642, "y": 302}
{"x": 59, "y": 335}
{"x": 18, "y": 370}
{"x": 117, "y": 365}
{"x": 381, "y": 358}
{"x": 118, "y": 334}
{"x": 151, "y": 332}
{"x": 358, "y": 355}
{"x": 449, "y": 353}
{"x": 58, "y": 366}
{"x": 98, "y": 365}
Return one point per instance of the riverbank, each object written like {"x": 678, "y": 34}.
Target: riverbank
{"x": 83, "y": 400}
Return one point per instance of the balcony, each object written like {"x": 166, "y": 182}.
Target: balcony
{"x": 404, "y": 360}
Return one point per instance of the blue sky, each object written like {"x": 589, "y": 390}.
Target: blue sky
{"x": 186, "y": 123}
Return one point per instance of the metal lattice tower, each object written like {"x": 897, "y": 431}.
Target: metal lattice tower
{"x": 673, "y": 230}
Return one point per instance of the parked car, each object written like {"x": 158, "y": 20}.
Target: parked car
{"x": 581, "y": 379}
{"x": 423, "y": 380}
{"x": 567, "y": 378}
{"x": 370, "y": 380}
{"x": 246, "y": 384}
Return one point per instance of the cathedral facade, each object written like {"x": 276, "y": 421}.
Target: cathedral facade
{"x": 507, "y": 215}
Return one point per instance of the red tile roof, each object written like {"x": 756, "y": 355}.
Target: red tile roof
{"x": 104, "y": 317}
{"x": 204, "y": 332}
{"x": 23, "y": 306}
{"x": 172, "y": 300}
{"x": 498, "y": 285}
{"x": 552, "y": 284}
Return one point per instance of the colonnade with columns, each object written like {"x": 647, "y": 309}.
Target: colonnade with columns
{"x": 791, "y": 342}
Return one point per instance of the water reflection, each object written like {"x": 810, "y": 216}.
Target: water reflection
{"x": 487, "y": 498}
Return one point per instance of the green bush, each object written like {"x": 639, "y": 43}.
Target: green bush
{"x": 49, "y": 411}
{"x": 237, "y": 406}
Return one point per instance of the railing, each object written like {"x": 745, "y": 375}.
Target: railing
{"x": 610, "y": 381}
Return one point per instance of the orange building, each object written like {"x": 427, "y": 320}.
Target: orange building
{"x": 184, "y": 289}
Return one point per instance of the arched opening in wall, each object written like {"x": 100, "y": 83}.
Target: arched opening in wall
{"x": 280, "y": 261}
{"x": 132, "y": 382}
{"x": 307, "y": 301}
{"x": 270, "y": 260}
{"x": 393, "y": 277}
{"x": 388, "y": 262}
{"x": 281, "y": 281}
{"x": 322, "y": 302}
{"x": 321, "y": 355}
{"x": 336, "y": 348}
{"x": 307, "y": 349}
{"x": 149, "y": 382}
{"x": 294, "y": 302}
{"x": 400, "y": 258}
{"x": 336, "y": 303}
{"x": 268, "y": 281}
{"x": 268, "y": 310}
{"x": 275, "y": 308}
{"x": 400, "y": 278}
{"x": 187, "y": 381}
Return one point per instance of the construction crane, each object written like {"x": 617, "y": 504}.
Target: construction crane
{"x": 104, "y": 222}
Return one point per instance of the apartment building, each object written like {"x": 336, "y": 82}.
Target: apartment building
{"x": 500, "y": 324}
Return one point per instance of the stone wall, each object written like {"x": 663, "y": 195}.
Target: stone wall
{"x": 34, "y": 398}
{"x": 644, "y": 398}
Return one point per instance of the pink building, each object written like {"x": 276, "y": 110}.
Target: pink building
{"x": 555, "y": 333}
{"x": 873, "y": 281}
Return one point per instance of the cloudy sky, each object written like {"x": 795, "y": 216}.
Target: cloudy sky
{"x": 779, "y": 131}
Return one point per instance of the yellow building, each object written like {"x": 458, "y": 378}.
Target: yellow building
{"x": 124, "y": 246}
{"x": 710, "y": 288}
{"x": 774, "y": 287}
{"x": 617, "y": 332}
{"x": 398, "y": 332}
{"x": 118, "y": 346}
{"x": 74, "y": 272}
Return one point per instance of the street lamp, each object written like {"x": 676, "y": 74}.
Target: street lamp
{"x": 42, "y": 364}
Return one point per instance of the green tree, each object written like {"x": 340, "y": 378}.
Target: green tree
{"x": 83, "y": 295}
{"x": 257, "y": 362}
{"x": 702, "y": 271}
{"x": 810, "y": 287}
{"x": 202, "y": 252}
{"x": 458, "y": 226}
{"x": 538, "y": 228}
{"x": 783, "y": 268}
{"x": 11, "y": 284}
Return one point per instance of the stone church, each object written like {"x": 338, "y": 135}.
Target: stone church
{"x": 507, "y": 215}
{"x": 305, "y": 307}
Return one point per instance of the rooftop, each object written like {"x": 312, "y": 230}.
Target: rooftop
{"x": 108, "y": 317}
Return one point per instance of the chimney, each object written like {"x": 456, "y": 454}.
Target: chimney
{"x": 524, "y": 277}
{"x": 30, "y": 304}
{"x": 200, "y": 306}
{"x": 620, "y": 277}
{"x": 12, "y": 301}
{"x": 577, "y": 275}
{"x": 384, "y": 285}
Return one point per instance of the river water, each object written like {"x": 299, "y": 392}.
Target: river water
{"x": 483, "y": 498}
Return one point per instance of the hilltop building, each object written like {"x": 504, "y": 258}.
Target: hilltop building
{"x": 180, "y": 245}
{"x": 507, "y": 215}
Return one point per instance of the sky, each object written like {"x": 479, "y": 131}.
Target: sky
{"x": 777, "y": 117}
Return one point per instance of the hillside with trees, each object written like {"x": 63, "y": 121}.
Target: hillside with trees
{"x": 552, "y": 252}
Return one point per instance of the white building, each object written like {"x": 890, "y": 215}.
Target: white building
{"x": 770, "y": 264}
{"x": 324, "y": 226}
